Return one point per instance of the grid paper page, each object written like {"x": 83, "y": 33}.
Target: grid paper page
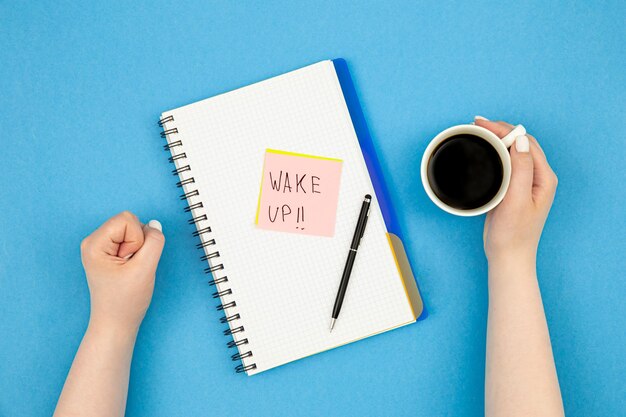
{"x": 285, "y": 284}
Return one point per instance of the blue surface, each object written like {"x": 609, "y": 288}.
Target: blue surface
{"x": 81, "y": 86}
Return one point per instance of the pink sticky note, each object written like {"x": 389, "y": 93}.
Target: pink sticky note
{"x": 299, "y": 193}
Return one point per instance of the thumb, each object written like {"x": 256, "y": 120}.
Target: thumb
{"x": 521, "y": 168}
{"x": 154, "y": 240}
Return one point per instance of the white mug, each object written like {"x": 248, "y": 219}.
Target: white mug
{"x": 500, "y": 145}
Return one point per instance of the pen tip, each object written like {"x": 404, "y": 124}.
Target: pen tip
{"x": 332, "y": 324}
{"x": 368, "y": 197}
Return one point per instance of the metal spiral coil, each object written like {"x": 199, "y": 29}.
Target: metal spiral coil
{"x": 185, "y": 182}
{"x": 222, "y": 307}
{"x": 196, "y": 220}
{"x": 245, "y": 368}
{"x": 228, "y": 332}
{"x": 218, "y": 280}
{"x": 193, "y": 207}
{"x": 226, "y": 319}
{"x": 205, "y": 244}
{"x": 173, "y": 145}
{"x": 178, "y": 171}
{"x": 164, "y": 120}
{"x": 169, "y": 132}
{"x": 186, "y": 196}
{"x": 235, "y": 343}
{"x": 239, "y": 356}
{"x": 210, "y": 256}
{"x": 177, "y": 157}
{"x": 202, "y": 230}
{"x": 219, "y": 294}
{"x": 213, "y": 268}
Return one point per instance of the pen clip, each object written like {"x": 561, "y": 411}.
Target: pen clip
{"x": 367, "y": 217}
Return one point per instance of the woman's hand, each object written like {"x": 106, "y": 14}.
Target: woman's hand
{"x": 520, "y": 376}
{"x": 513, "y": 228}
{"x": 120, "y": 259}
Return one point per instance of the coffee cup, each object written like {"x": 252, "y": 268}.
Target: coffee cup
{"x": 466, "y": 169}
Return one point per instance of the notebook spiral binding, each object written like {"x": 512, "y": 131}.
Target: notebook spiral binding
{"x": 199, "y": 219}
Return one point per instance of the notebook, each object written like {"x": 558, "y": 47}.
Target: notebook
{"x": 277, "y": 287}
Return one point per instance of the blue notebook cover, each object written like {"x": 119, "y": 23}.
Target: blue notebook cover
{"x": 382, "y": 193}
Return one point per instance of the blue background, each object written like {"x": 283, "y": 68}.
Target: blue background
{"x": 82, "y": 85}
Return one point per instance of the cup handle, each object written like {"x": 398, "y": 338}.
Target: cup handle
{"x": 518, "y": 130}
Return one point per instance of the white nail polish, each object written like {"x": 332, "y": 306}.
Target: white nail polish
{"x": 522, "y": 144}
{"x": 155, "y": 225}
{"x": 481, "y": 118}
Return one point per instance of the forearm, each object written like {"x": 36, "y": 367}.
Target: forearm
{"x": 520, "y": 377}
{"x": 97, "y": 383}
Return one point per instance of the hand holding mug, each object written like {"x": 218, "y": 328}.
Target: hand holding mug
{"x": 467, "y": 170}
{"x": 513, "y": 228}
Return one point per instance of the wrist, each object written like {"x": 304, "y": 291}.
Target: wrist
{"x": 110, "y": 332}
{"x": 508, "y": 257}
{"x": 511, "y": 263}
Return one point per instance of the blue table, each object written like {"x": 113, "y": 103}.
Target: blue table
{"x": 82, "y": 85}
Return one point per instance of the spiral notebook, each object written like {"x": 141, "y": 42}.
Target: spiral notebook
{"x": 276, "y": 287}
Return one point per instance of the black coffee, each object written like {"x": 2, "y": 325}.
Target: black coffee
{"x": 465, "y": 172}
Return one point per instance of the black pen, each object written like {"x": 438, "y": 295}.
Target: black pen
{"x": 356, "y": 239}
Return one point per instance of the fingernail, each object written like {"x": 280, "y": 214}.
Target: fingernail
{"x": 522, "y": 144}
{"x": 127, "y": 257}
{"x": 155, "y": 225}
{"x": 481, "y": 118}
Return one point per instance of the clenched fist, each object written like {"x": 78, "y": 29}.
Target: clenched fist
{"x": 120, "y": 260}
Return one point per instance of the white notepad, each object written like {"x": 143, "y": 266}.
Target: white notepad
{"x": 278, "y": 288}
